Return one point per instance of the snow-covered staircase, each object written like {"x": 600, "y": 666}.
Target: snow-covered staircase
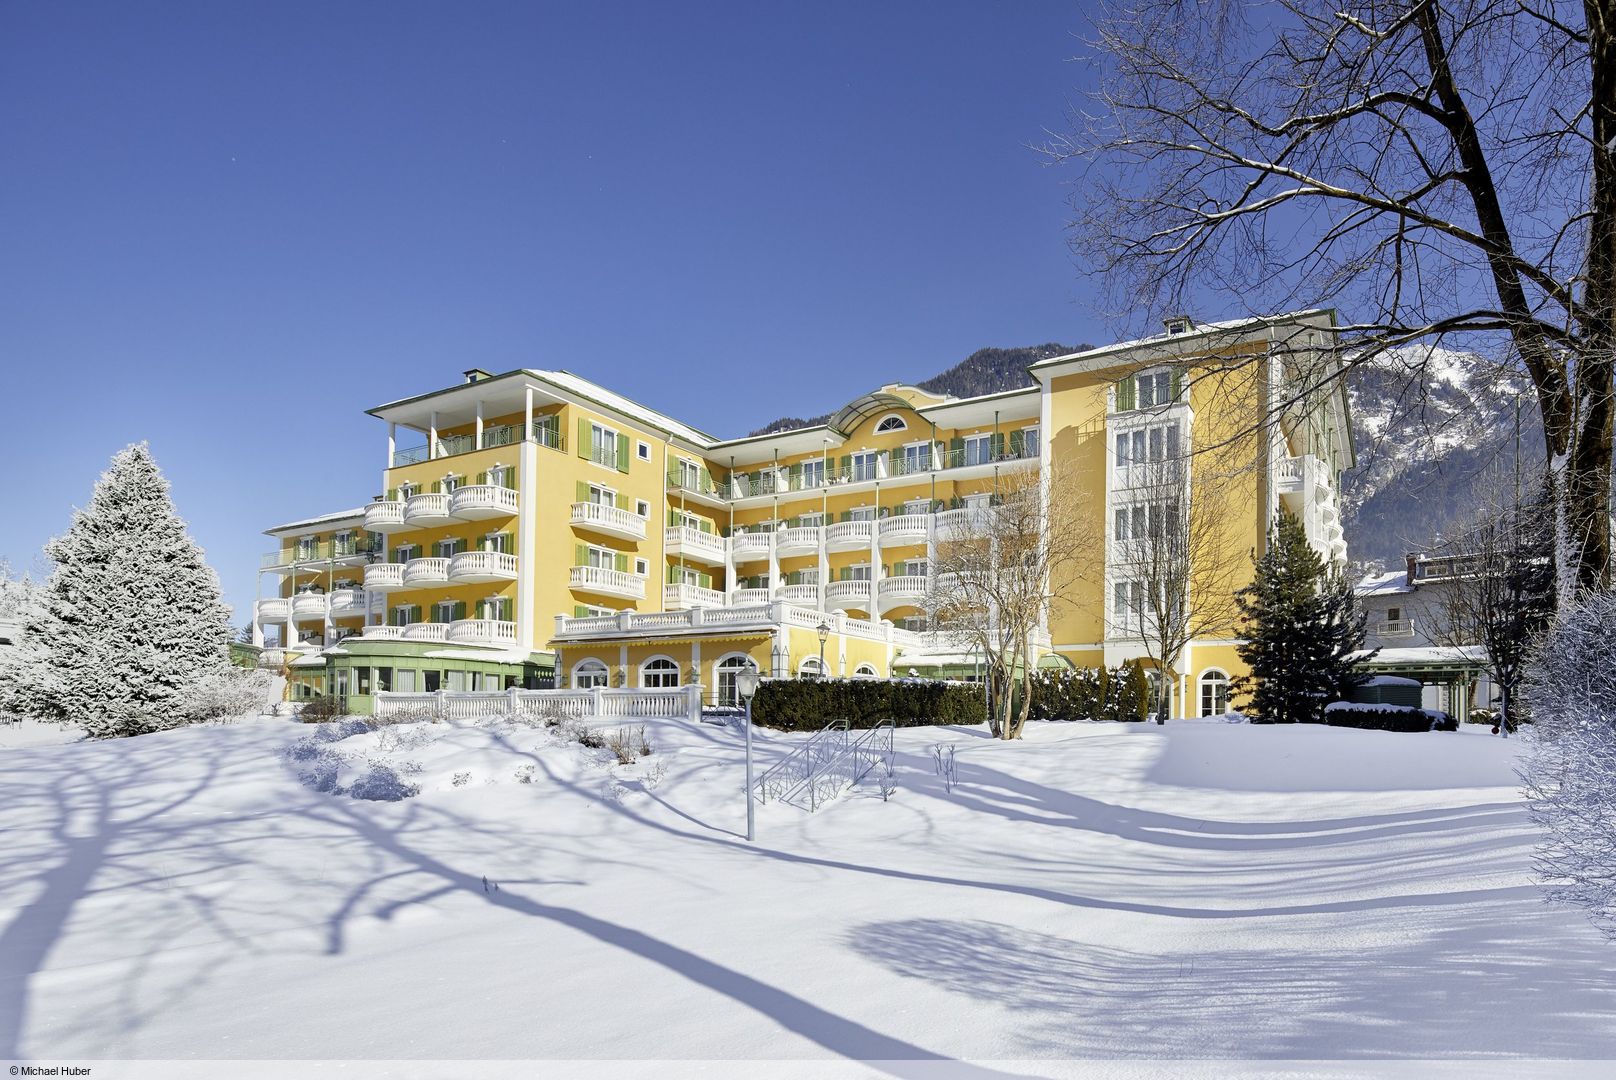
{"x": 833, "y": 760}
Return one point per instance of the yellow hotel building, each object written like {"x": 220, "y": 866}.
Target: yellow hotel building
{"x": 533, "y": 528}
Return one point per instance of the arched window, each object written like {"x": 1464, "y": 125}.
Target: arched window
{"x": 810, "y": 669}
{"x": 891, "y": 423}
{"x": 1214, "y": 692}
{"x": 1157, "y": 686}
{"x": 588, "y": 673}
{"x": 659, "y": 673}
{"x": 724, "y": 673}
{"x": 865, "y": 671}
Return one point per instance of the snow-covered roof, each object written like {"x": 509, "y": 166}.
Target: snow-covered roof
{"x": 1395, "y": 581}
{"x": 356, "y": 515}
{"x": 1250, "y": 322}
{"x": 1428, "y": 654}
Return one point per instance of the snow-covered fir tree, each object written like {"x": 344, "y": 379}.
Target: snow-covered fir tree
{"x": 19, "y": 661}
{"x": 130, "y": 620}
{"x": 1302, "y": 628}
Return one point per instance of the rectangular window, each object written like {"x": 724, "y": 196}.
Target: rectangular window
{"x": 815, "y": 518}
{"x": 406, "y": 680}
{"x": 361, "y": 680}
{"x": 689, "y": 475}
{"x": 978, "y": 449}
{"x": 432, "y": 681}
{"x": 1029, "y": 441}
{"x": 602, "y": 496}
{"x": 866, "y": 465}
{"x": 813, "y": 473}
{"x": 455, "y": 680}
{"x": 916, "y": 458}
{"x": 1155, "y": 389}
{"x": 858, "y": 572}
{"x": 644, "y": 450}
{"x": 915, "y": 567}
{"x": 603, "y": 445}
{"x": 384, "y": 678}
{"x": 917, "y": 506}
{"x": 602, "y": 558}
{"x": 642, "y": 508}
{"x": 1393, "y": 614}
{"x": 641, "y": 567}
{"x": 862, "y": 513}
{"x": 1119, "y": 530}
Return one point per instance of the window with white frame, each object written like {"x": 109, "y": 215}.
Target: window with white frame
{"x": 593, "y": 612}
{"x": 891, "y": 423}
{"x": 857, "y": 572}
{"x": 916, "y": 458}
{"x": 914, "y": 567}
{"x": 1144, "y": 521}
{"x": 603, "y": 445}
{"x": 725, "y": 671}
{"x": 917, "y": 506}
{"x": 443, "y": 611}
{"x": 810, "y": 668}
{"x": 599, "y": 557}
{"x": 641, "y": 567}
{"x": 659, "y": 673}
{"x": 813, "y": 473}
{"x": 1127, "y": 606}
{"x": 865, "y": 671}
{"x": 686, "y": 575}
{"x": 978, "y": 502}
{"x": 601, "y": 495}
{"x": 642, "y": 508}
{"x": 684, "y": 520}
{"x": 862, "y": 513}
{"x": 589, "y": 674}
{"x": 866, "y": 465}
{"x": 644, "y": 450}
{"x": 1153, "y": 444}
{"x": 1153, "y": 389}
{"x": 1029, "y": 441}
{"x": 978, "y": 449}
{"x": 1214, "y": 692}
{"x": 688, "y": 475}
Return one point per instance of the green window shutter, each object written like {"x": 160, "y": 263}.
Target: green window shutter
{"x": 1125, "y": 389}
{"x": 459, "y": 610}
{"x": 996, "y": 445}
{"x": 845, "y": 515}
{"x": 482, "y": 478}
{"x": 794, "y": 475}
{"x": 504, "y": 542}
{"x": 437, "y": 487}
{"x": 956, "y": 451}
{"x": 706, "y": 580}
{"x": 1018, "y": 443}
{"x": 582, "y": 554}
{"x": 673, "y": 519}
{"x": 509, "y": 477}
{"x": 673, "y": 473}
{"x": 583, "y": 436}
{"x": 704, "y": 477}
{"x": 622, "y": 563}
{"x": 844, "y": 464}
{"x": 703, "y": 525}
{"x": 1178, "y": 383}
{"x": 583, "y": 492}
{"x": 579, "y": 611}
{"x": 622, "y": 453}
{"x": 392, "y": 494}
{"x": 673, "y": 574}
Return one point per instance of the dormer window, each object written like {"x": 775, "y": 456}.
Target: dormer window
{"x": 1179, "y": 324}
{"x": 891, "y": 423}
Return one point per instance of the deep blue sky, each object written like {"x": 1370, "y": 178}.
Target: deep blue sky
{"x": 230, "y": 228}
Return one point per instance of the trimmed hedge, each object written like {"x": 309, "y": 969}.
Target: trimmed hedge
{"x": 1090, "y": 694}
{"x": 1387, "y": 717}
{"x": 810, "y": 704}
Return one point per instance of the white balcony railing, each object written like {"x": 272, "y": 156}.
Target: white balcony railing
{"x": 347, "y": 603}
{"x": 417, "y": 572}
{"x": 748, "y": 597}
{"x": 799, "y": 541}
{"x": 903, "y": 589}
{"x": 609, "y": 519}
{"x": 846, "y": 535}
{"x": 679, "y": 595}
{"x": 426, "y": 631}
{"x": 430, "y": 508}
{"x": 479, "y": 566}
{"x": 274, "y": 609}
{"x": 308, "y": 606}
{"x": 1396, "y": 628}
{"x": 612, "y": 582}
{"x": 799, "y": 594}
{"x": 751, "y": 545}
{"x": 482, "y": 632}
{"x": 905, "y": 529}
{"x": 382, "y": 633}
{"x": 477, "y": 501}
{"x": 683, "y": 541}
{"x": 848, "y": 594}
{"x": 384, "y": 517}
{"x": 379, "y": 577}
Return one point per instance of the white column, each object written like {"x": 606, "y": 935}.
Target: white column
{"x": 774, "y": 556}
{"x": 875, "y": 559}
{"x": 257, "y": 627}
{"x": 824, "y": 565}
{"x": 477, "y": 442}
{"x": 527, "y": 417}
{"x": 527, "y": 543}
{"x": 695, "y": 657}
{"x": 392, "y": 444}
{"x": 432, "y": 436}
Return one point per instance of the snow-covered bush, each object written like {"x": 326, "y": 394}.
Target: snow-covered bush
{"x": 629, "y": 744}
{"x": 1379, "y": 717}
{"x": 231, "y": 692}
{"x": 382, "y": 784}
{"x": 317, "y": 710}
{"x": 1570, "y": 766}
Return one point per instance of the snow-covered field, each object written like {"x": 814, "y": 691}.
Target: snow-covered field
{"x": 1095, "y": 891}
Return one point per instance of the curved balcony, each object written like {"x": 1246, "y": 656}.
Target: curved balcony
{"x": 598, "y": 579}
{"x": 308, "y": 606}
{"x": 385, "y": 517}
{"x": 747, "y": 597}
{"x": 381, "y": 576}
{"x": 472, "y": 567}
{"x": 475, "y": 502}
{"x": 426, "y": 631}
{"x": 382, "y": 633}
{"x": 905, "y": 529}
{"x": 848, "y": 535}
{"x": 842, "y": 595}
{"x": 418, "y": 572}
{"x": 903, "y": 590}
{"x": 274, "y": 609}
{"x": 482, "y": 632}
{"x": 752, "y": 545}
{"x": 611, "y": 520}
{"x": 681, "y": 597}
{"x": 346, "y": 603}
{"x": 959, "y": 524}
{"x": 803, "y": 540}
{"x": 799, "y": 594}
{"x": 431, "y": 508}
{"x": 683, "y": 542}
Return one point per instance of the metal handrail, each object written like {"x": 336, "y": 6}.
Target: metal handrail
{"x": 784, "y": 777}
{"x": 846, "y": 769}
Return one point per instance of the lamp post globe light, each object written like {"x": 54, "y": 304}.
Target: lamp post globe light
{"x": 746, "y": 685}
{"x": 823, "y": 629}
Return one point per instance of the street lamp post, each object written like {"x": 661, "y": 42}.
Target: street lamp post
{"x": 746, "y": 684}
{"x": 823, "y": 630}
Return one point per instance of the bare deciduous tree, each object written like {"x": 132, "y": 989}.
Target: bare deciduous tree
{"x": 994, "y": 580}
{"x": 1437, "y": 170}
{"x": 1175, "y": 565}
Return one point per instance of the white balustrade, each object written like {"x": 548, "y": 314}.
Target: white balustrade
{"x": 482, "y": 501}
{"x": 482, "y": 632}
{"x": 479, "y": 566}
{"x": 609, "y": 519}
{"x": 429, "y": 571}
{"x": 602, "y": 580}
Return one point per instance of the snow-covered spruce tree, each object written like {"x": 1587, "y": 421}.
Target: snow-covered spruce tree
{"x": 1302, "y": 627}
{"x": 1570, "y": 767}
{"x": 20, "y": 665}
{"x": 130, "y": 620}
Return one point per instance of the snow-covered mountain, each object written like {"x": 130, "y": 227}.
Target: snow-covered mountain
{"x": 1436, "y": 431}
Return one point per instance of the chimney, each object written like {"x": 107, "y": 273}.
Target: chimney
{"x": 1412, "y": 560}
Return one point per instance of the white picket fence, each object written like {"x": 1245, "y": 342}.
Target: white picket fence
{"x": 597, "y": 705}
